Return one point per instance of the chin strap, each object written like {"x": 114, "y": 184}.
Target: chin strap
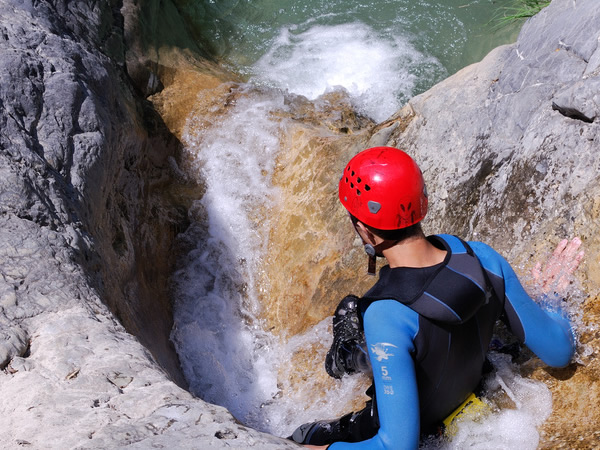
{"x": 372, "y": 254}
{"x": 373, "y": 251}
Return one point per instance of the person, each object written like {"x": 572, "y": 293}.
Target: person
{"x": 424, "y": 328}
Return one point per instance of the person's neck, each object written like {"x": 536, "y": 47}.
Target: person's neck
{"x": 415, "y": 251}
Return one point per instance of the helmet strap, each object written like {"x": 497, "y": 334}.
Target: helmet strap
{"x": 373, "y": 251}
{"x": 372, "y": 262}
{"x": 371, "y": 265}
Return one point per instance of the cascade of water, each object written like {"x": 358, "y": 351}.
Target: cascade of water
{"x": 227, "y": 354}
{"x": 222, "y": 346}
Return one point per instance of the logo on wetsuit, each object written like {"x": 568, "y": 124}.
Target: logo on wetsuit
{"x": 381, "y": 350}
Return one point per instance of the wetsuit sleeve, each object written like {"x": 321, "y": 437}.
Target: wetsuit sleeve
{"x": 390, "y": 329}
{"x": 547, "y": 333}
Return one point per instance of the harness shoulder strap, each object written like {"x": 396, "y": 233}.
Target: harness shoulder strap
{"x": 490, "y": 292}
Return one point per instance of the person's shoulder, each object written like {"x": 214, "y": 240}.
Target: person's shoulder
{"x": 391, "y": 318}
{"x": 382, "y": 311}
{"x": 489, "y": 258}
{"x": 457, "y": 244}
{"x": 487, "y": 255}
{"x": 483, "y": 249}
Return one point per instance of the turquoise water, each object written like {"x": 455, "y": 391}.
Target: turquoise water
{"x": 383, "y": 52}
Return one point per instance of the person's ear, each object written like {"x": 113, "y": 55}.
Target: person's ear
{"x": 366, "y": 234}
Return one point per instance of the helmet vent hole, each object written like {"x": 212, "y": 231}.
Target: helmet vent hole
{"x": 367, "y": 187}
{"x": 352, "y": 185}
{"x": 358, "y": 180}
{"x": 353, "y": 173}
{"x": 346, "y": 179}
{"x": 357, "y": 192}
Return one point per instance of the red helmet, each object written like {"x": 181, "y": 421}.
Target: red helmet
{"x": 384, "y": 188}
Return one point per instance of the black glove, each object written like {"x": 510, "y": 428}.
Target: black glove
{"x": 348, "y": 339}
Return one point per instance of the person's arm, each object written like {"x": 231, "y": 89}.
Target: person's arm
{"x": 547, "y": 333}
{"x": 390, "y": 328}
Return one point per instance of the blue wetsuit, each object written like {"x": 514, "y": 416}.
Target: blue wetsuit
{"x": 426, "y": 363}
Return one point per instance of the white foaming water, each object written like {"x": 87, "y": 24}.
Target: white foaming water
{"x": 312, "y": 399}
{"x": 378, "y": 71}
{"x": 224, "y": 352}
{"x": 227, "y": 356}
{"x": 514, "y": 427}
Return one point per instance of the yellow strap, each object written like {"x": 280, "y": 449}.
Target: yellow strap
{"x": 471, "y": 405}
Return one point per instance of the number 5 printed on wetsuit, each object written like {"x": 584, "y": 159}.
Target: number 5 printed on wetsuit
{"x": 382, "y": 351}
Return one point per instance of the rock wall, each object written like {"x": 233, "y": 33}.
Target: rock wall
{"x": 519, "y": 132}
{"x": 85, "y": 159}
{"x": 87, "y": 220}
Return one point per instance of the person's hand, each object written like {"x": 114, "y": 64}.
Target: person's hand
{"x": 555, "y": 276}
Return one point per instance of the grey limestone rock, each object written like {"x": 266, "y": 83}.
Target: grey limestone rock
{"x": 85, "y": 234}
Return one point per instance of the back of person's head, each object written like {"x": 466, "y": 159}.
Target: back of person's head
{"x": 383, "y": 188}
